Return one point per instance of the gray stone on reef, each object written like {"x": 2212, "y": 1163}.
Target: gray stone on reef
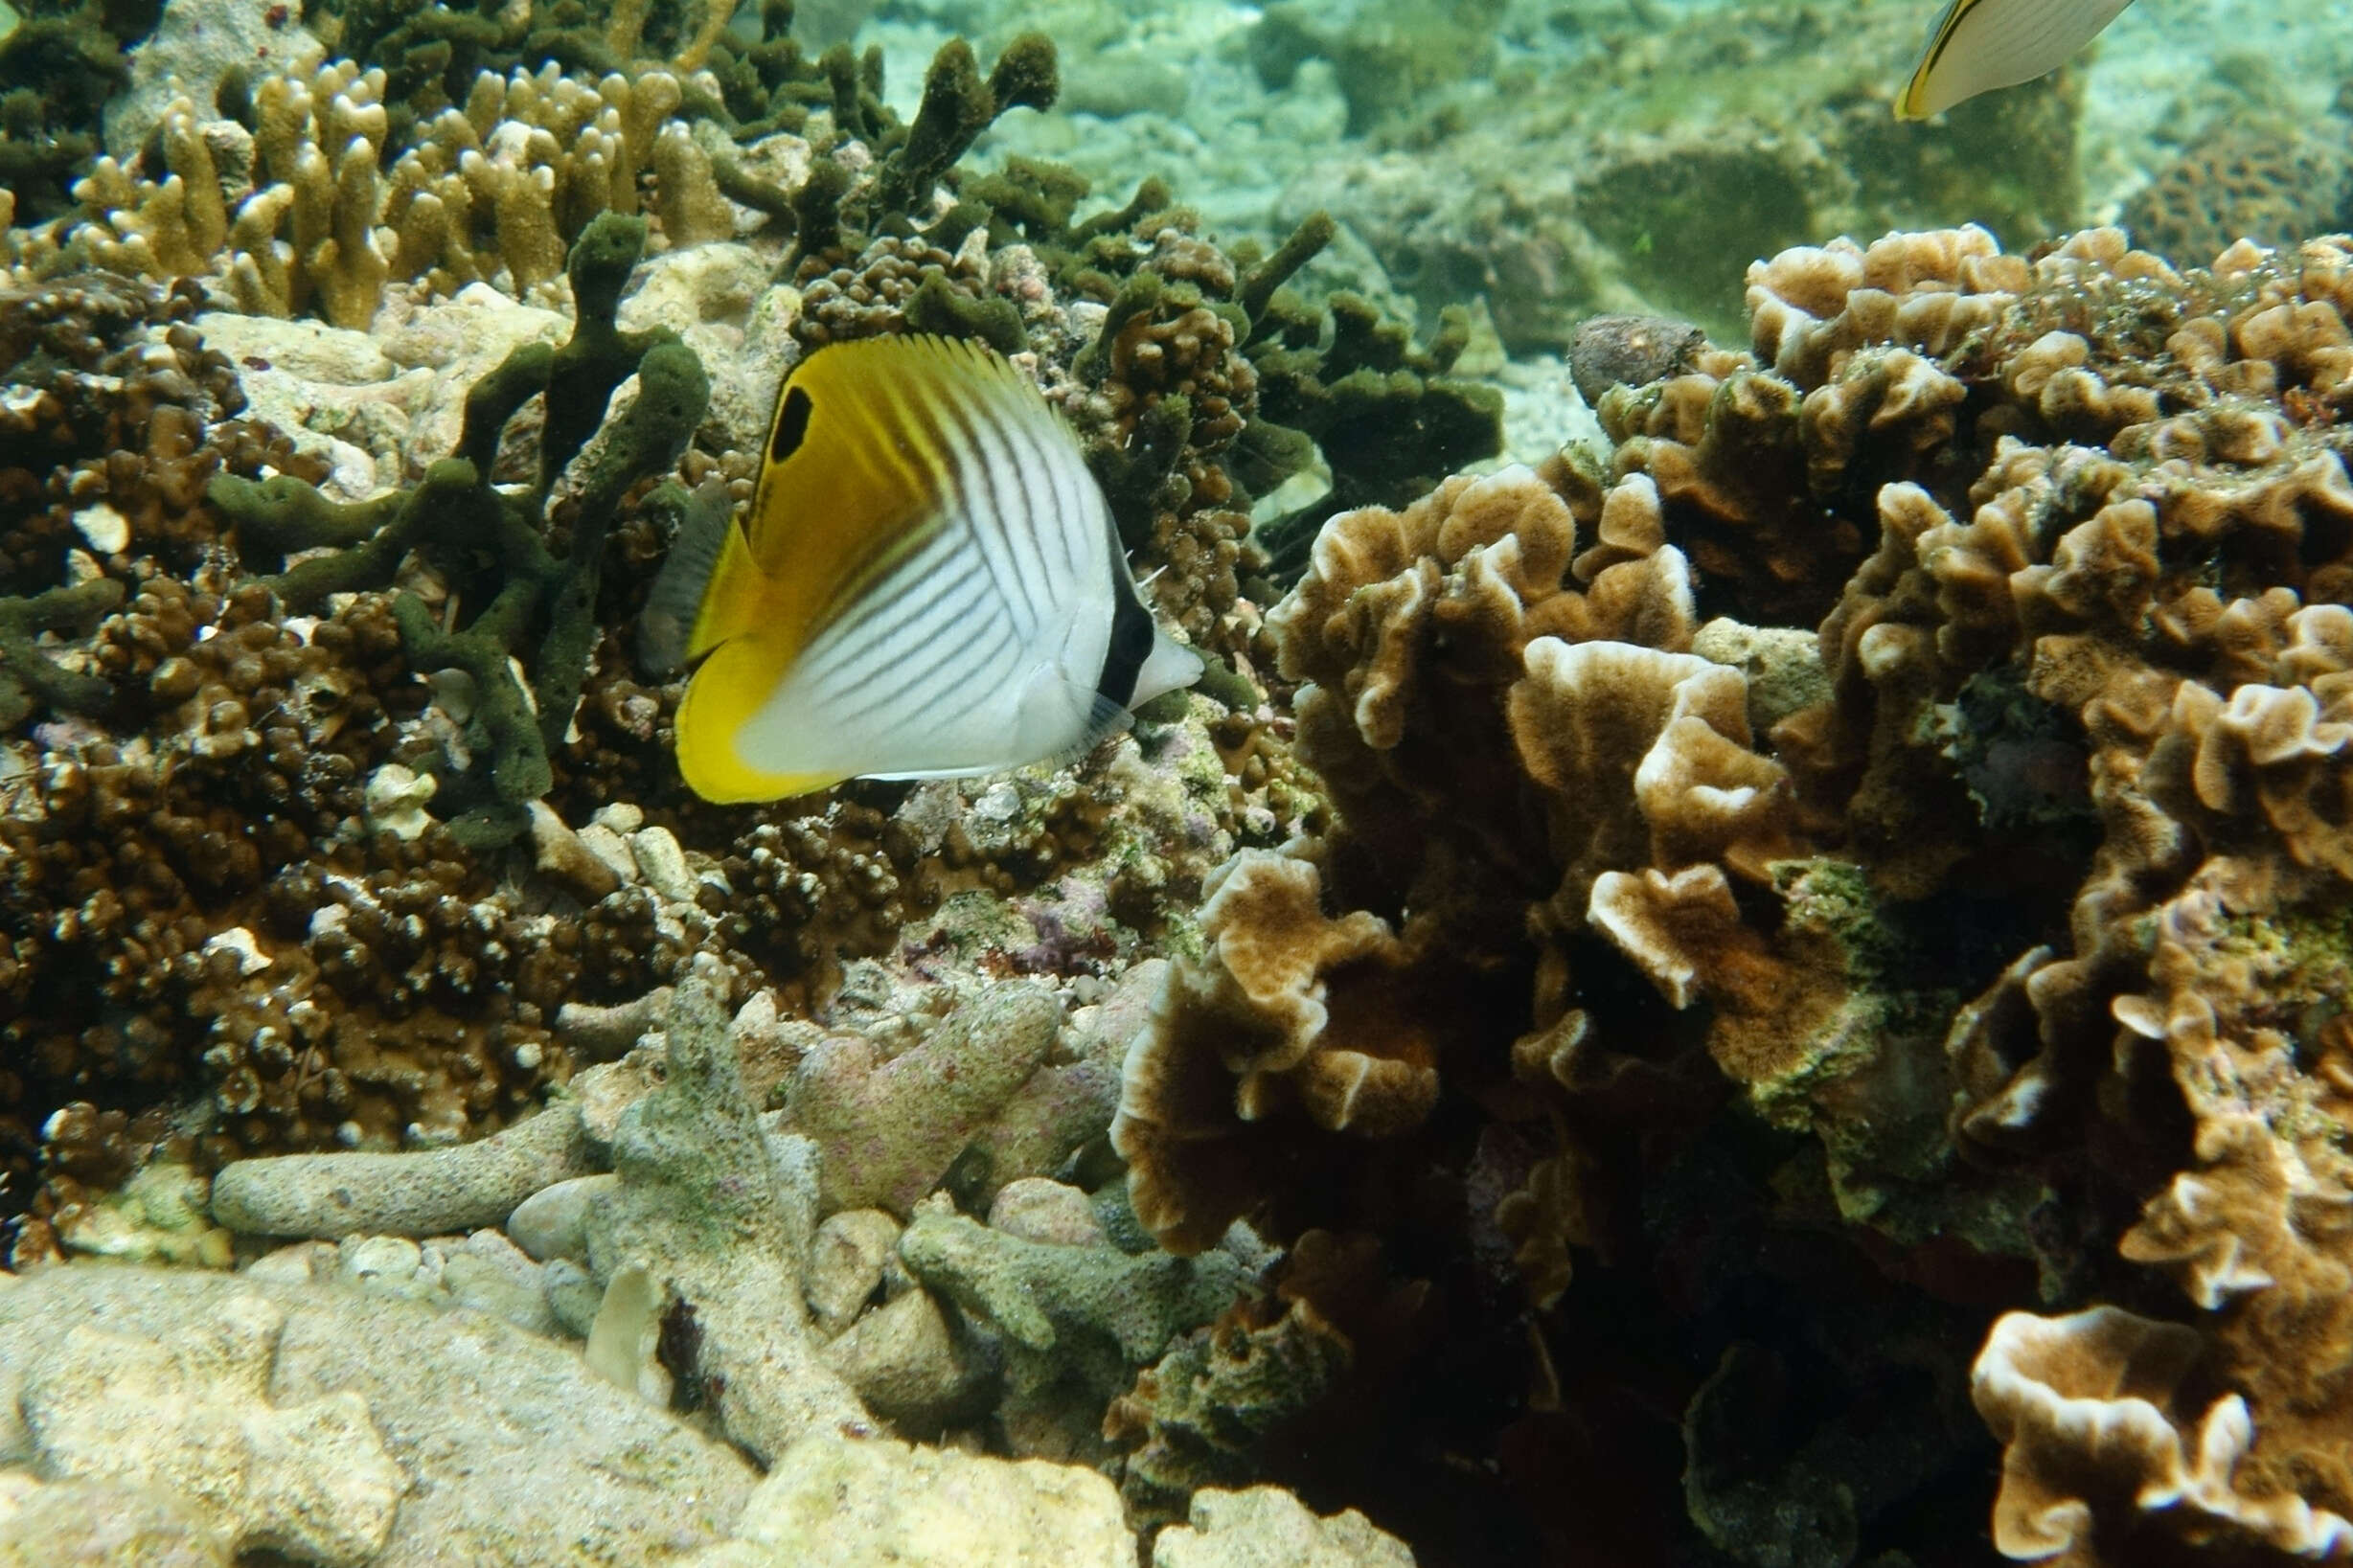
{"x": 910, "y": 1366}
{"x": 848, "y": 1503}
{"x": 195, "y": 44}
{"x": 1783, "y": 664}
{"x": 845, "y": 1262}
{"x": 192, "y": 1412}
{"x": 1266, "y": 1527}
{"x": 607, "y": 1089}
{"x": 512, "y": 1454}
{"x": 573, "y": 1295}
{"x": 1066, "y": 1104}
{"x": 720, "y": 1210}
{"x": 888, "y": 1130}
{"x": 1038, "y": 1210}
{"x": 553, "y": 1221}
{"x": 491, "y": 1274}
{"x": 484, "y": 1271}
{"x": 423, "y": 1193}
{"x": 102, "y": 1524}
{"x": 1628, "y": 351}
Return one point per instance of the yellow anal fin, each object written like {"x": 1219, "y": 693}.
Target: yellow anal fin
{"x": 725, "y": 696}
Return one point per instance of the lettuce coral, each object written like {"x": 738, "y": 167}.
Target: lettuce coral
{"x": 2025, "y": 924}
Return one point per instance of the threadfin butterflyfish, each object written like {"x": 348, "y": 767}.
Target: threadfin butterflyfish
{"x": 928, "y": 584}
{"x": 1980, "y": 45}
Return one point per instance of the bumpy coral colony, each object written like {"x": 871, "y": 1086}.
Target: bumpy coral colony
{"x": 1768, "y": 995}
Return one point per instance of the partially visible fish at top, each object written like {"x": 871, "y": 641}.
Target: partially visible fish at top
{"x": 1980, "y": 45}
{"x": 928, "y": 584}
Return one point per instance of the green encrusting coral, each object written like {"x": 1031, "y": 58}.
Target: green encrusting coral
{"x": 456, "y": 511}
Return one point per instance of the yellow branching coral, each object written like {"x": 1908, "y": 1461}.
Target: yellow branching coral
{"x": 504, "y": 185}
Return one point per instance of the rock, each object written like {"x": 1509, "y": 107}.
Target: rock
{"x": 879, "y": 1503}
{"x": 573, "y": 1296}
{"x": 663, "y": 864}
{"x": 613, "y": 850}
{"x": 769, "y": 1046}
{"x": 491, "y": 1274}
{"x": 444, "y": 347}
{"x": 295, "y": 1263}
{"x": 1076, "y": 1322}
{"x": 719, "y": 297}
{"x": 387, "y": 1262}
{"x": 846, "y": 1261}
{"x": 300, "y": 350}
{"x": 558, "y": 851}
{"x": 395, "y": 800}
{"x": 1048, "y": 1297}
{"x": 1783, "y": 664}
{"x": 620, "y": 818}
{"x": 325, "y": 387}
{"x": 1266, "y": 1527}
{"x": 195, "y": 44}
{"x": 551, "y": 1222}
{"x": 491, "y": 1446}
{"x": 1066, "y": 1104}
{"x": 889, "y": 1127}
{"x": 1630, "y": 350}
{"x": 160, "y": 1216}
{"x": 907, "y": 1365}
{"x": 1038, "y": 1210}
{"x": 192, "y": 1414}
{"x": 600, "y": 1034}
{"x": 604, "y": 1090}
{"x": 102, "y": 1524}
{"x": 103, "y": 528}
{"x": 425, "y": 1193}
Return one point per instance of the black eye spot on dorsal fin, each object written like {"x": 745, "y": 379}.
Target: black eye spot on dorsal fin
{"x": 791, "y": 425}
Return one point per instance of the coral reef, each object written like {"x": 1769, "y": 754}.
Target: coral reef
{"x": 1768, "y": 993}
{"x": 1077, "y": 1317}
{"x": 2015, "y": 912}
{"x": 2273, "y": 184}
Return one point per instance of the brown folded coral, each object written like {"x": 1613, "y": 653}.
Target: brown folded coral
{"x": 2032, "y": 930}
